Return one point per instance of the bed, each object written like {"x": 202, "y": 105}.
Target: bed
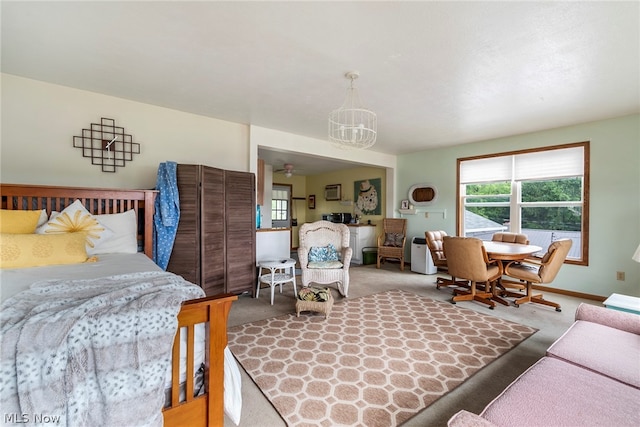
{"x": 207, "y": 314}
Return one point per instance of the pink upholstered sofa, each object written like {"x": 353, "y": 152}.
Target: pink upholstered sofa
{"x": 589, "y": 377}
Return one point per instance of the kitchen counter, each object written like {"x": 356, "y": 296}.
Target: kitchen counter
{"x": 362, "y": 236}
{"x": 259, "y": 230}
{"x": 273, "y": 243}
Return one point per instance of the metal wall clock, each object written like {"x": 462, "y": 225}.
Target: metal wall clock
{"x": 107, "y": 145}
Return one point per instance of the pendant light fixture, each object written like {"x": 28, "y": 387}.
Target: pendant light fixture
{"x": 352, "y": 126}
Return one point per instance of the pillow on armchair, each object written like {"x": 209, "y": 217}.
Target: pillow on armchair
{"x": 323, "y": 257}
{"x": 323, "y": 253}
{"x": 393, "y": 239}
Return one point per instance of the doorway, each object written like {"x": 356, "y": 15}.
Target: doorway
{"x": 281, "y": 206}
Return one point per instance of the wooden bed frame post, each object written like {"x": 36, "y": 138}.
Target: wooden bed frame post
{"x": 149, "y": 202}
{"x": 206, "y": 410}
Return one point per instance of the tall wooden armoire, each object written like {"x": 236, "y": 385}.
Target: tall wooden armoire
{"x": 215, "y": 243}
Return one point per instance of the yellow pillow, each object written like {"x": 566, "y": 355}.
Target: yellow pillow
{"x": 18, "y": 222}
{"x": 34, "y": 250}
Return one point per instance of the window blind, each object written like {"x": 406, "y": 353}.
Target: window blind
{"x": 279, "y": 194}
{"x": 545, "y": 164}
{"x": 549, "y": 164}
{"x": 490, "y": 169}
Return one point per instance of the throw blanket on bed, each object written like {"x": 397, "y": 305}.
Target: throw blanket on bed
{"x": 92, "y": 352}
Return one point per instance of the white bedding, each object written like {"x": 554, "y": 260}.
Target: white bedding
{"x": 12, "y": 281}
{"x": 15, "y": 280}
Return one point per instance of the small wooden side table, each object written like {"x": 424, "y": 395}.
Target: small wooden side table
{"x": 282, "y": 271}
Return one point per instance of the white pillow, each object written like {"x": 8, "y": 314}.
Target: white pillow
{"x": 125, "y": 233}
{"x": 75, "y": 218}
{"x": 43, "y": 218}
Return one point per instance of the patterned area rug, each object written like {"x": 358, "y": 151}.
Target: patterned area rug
{"x": 376, "y": 361}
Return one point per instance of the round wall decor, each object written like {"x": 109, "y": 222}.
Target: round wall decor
{"x": 423, "y": 194}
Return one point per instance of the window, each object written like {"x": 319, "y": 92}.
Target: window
{"x": 280, "y": 205}
{"x": 543, "y": 193}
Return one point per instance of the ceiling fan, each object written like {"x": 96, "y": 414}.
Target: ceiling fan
{"x": 287, "y": 170}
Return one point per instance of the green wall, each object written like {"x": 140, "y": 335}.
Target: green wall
{"x": 614, "y": 196}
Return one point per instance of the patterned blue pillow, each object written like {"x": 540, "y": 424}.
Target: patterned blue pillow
{"x": 323, "y": 253}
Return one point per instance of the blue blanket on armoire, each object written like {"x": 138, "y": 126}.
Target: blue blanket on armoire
{"x": 167, "y": 213}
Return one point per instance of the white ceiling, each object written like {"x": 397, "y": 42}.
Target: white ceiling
{"x": 436, "y": 73}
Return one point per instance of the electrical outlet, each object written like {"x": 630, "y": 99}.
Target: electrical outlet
{"x": 620, "y": 275}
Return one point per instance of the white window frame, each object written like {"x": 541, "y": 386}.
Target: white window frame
{"x": 280, "y": 205}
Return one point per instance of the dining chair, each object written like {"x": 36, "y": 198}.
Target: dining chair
{"x": 392, "y": 240}
{"x": 539, "y": 272}
{"x": 507, "y": 285}
{"x": 467, "y": 259}
{"x": 507, "y": 237}
{"x": 435, "y": 244}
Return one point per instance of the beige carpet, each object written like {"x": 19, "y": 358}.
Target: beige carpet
{"x": 377, "y": 361}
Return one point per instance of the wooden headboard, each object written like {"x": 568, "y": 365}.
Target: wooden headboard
{"x": 98, "y": 201}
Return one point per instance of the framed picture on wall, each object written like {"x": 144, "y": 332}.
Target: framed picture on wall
{"x": 404, "y": 204}
{"x": 312, "y": 201}
{"x": 368, "y": 195}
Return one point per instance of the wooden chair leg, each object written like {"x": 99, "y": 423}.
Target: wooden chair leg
{"x": 495, "y": 296}
{"x": 441, "y": 281}
{"x": 488, "y": 301}
{"x": 473, "y": 295}
{"x": 527, "y": 297}
{"x": 536, "y": 298}
{"x": 512, "y": 284}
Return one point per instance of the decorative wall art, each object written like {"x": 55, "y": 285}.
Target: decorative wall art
{"x": 312, "y": 201}
{"x": 367, "y": 194}
{"x": 423, "y": 194}
{"x": 107, "y": 145}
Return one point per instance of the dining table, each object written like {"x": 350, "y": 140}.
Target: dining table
{"x": 506, "y": 252}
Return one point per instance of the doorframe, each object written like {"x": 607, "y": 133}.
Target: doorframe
{"x": 290, "y": 208}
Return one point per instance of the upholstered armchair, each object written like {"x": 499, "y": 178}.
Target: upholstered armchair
{"x": 539, "y": 272}
{"x": 434, "y": 243}
{"x": 517, "y": 238}
{"x": 467, "y": 259}
{"x": 507, "y": 237}
{"x": 325, "y": 255}
{"x": 391, "y": 241}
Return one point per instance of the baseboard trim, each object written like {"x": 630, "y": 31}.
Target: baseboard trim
{"x": 570, "y": 293}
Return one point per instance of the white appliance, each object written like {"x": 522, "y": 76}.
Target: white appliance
{"x": 421, "y": 261}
